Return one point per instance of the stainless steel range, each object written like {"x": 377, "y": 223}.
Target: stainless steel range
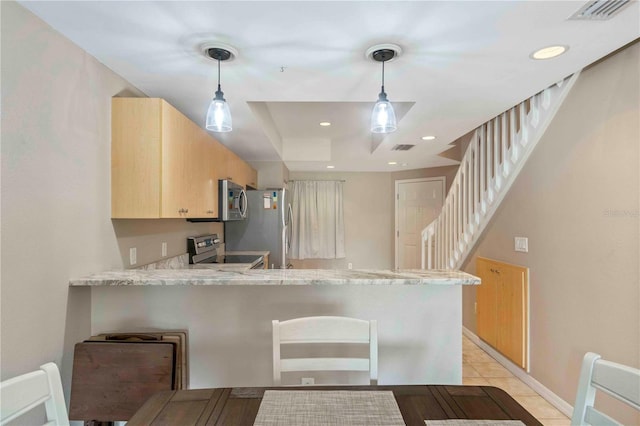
{"x": 204, "y": 249}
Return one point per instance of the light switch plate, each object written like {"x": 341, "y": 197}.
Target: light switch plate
{"x": 133, "y": 256}
{"x": 522, "y": 244}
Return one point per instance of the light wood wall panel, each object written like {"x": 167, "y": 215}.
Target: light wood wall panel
{"x": 503, "y": 308}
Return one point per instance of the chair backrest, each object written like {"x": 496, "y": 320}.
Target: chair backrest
{"x": 330, "y": 330}
{"x": 21, "y": 394}
{"x": 619, "y": 381}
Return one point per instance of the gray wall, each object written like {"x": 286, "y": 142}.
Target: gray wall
{"x": 369, "y": 216}
{"x": 56, "y": 109}
{"x": 577, "y": 201}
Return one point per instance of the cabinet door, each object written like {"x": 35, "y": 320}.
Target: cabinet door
{"x": 503, "y": 308}
{"x": 136, "y": 151}
{"x": 203, "y": 191}
{"x": 235, "y": 169}
{"x": 486, "y": 316}
{"x": 221, "y": 161}
{"x": 251, "y": 177}
{"x": 512, "y": 314}
{"x": 178, "y": 153}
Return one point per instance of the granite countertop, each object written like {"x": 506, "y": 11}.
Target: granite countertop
{"x": 212, "y": 276}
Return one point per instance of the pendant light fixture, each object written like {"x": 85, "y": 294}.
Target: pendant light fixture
{"x": 383, "y": 117}
{"x": 218, "y": 114}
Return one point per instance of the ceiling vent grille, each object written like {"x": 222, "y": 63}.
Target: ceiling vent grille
{"x": 599, "y": 10}
{"x": 405, "y": 147}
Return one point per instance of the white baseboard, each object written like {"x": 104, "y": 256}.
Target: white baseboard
{"x": 553, "y": 399}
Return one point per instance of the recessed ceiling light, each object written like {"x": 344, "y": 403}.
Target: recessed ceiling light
{"x": 428, "y": 138}
{"x": 331, "y": 167}
{"x": 325, "y": 124}
{"x": 549, "y": 52}
{"x": 392, "y": 163}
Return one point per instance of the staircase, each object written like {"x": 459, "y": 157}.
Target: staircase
{"x": 494, "y": 157}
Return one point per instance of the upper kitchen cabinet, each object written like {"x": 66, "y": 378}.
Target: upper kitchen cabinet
{"x": 162, "y": 164}
{"x": 240, "y": 172}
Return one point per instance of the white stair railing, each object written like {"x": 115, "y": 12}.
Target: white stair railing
{"x": 497, "y": 152}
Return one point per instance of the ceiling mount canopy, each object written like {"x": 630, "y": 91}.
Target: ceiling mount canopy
{"x": 383, "y": 117}
{"x": 218, "y": 115}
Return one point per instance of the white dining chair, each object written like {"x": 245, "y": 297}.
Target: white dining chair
{"x": 619, "y": 381}
{"x": 23, "y": 393}
{"x": 325, "y": 330}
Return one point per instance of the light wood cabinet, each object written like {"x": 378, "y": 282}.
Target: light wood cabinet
{"x": 503, "y": 308}
{"x": 240, "y": 172}
{"x": 163, "y": 165}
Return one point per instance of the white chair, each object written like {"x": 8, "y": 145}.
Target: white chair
{"x": 619, "y": 381}
{"x": 21, "y": 394}
{"x": 329, "y": 330}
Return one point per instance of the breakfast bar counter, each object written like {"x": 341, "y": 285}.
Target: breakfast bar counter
{"x": 228, "y": 315}
{"x": 216, "y": 275}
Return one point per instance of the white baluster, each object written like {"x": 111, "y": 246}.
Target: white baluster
{"x": 481, "y": 182}
{"x": 476, "y": 180}
{"x": 535, "y": 110}
{"x": 515, "y": 148}
{"x": 497, "y": 173}
{"x": 546, "y": 98}
{"x": 524, "y": 126}
{"x": 506, "y": 166}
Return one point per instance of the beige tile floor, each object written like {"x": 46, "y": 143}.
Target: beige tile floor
{"x": 478, "y": 368}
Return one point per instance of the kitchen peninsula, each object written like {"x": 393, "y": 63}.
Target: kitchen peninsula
{"x": 228, "y": 315}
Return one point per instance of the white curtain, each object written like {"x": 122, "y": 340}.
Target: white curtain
{"x": 318, "y": 225}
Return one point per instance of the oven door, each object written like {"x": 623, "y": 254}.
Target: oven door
{"x": 232, "y": 202}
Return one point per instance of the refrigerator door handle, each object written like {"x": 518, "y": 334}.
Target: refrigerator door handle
{"x": 289, "y": 227}
{"x": 289, "y": 215}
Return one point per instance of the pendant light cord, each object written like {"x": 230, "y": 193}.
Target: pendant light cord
{"x": 383, "y": 75}
{"x": 219, "y": 72}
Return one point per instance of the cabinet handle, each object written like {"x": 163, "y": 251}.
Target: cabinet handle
{"x": 181, "y": 211}
{"x": 186, "y": 210}
{"x": 495, "y": 271}
{"x": 210, "y": 211}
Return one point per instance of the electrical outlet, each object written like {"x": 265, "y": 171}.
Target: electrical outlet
{"x": 133, "y": 256}
{"x": 308, "y": 381}
{"x": 164, "y": 249}
{"x": 350, "y": 266}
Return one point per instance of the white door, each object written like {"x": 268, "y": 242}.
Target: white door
{"x": 418, "y": 203}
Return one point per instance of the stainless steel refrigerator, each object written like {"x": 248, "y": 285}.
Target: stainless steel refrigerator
{"x": 267, "y": 227}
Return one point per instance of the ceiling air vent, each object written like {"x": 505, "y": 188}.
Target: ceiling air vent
{"x": 405, "y": 147}
{"x": 599, "y": 10}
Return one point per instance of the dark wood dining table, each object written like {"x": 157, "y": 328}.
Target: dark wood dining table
{"x": 417, "y": 403}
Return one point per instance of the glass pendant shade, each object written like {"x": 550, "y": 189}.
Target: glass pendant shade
{"x": 219, "y": 115}
{"x": 383, "y": 118}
